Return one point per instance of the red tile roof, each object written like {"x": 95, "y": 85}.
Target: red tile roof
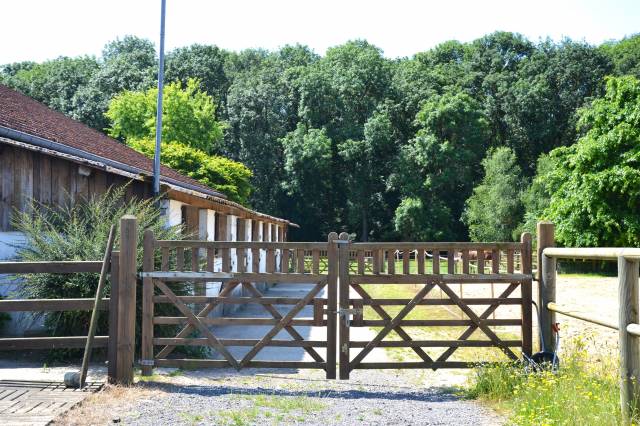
{"x": 24, "y": 114}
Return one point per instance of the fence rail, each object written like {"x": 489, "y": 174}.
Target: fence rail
{"x": 628, "y": 325}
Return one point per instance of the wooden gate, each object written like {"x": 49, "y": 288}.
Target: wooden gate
{"x": 363, "y": 266}
{"x": 242, "y": 269}
{"x": 432, "y": 267}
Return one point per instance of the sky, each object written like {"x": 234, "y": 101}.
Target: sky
{"x": 45, "y": 29}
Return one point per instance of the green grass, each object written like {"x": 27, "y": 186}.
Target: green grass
{"x": 241, "y": 417}
{"x": 584, "y": 392}
{"x": 275, "y": 408}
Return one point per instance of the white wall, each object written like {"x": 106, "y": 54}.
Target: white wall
{"x": 21, "y": 322}
{"x": 172, "y": 209}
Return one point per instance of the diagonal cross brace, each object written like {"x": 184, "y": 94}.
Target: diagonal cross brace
{"x": 479, "y": 323}
{"x": 393, "y": 324}
{"x": 195, "y": 321}
{"x": 385, "y": 316}
{"x": 469, "y": 331}
{"x": 292, "y": 331}
{"x": 189, "y": 328}
{"x": 282, "y": 323}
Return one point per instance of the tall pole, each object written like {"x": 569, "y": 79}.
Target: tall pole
{"x": 156, "y": 157}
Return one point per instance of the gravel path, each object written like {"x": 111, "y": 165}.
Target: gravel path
{"x": 369, "y": 398}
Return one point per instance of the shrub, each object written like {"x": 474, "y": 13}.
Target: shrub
{"x": 80, "y": 232}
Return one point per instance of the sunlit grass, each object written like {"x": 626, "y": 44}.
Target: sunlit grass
{"x": 584, "y": 391}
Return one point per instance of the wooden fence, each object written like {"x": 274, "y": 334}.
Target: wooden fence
{"x": 629, "y": 307}
{"x": 121, "y": 305}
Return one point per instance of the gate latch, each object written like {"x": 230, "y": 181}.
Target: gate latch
{"x": 344, "y": 314}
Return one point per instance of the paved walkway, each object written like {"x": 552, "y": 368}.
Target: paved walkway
{"x": 307, "y": 332}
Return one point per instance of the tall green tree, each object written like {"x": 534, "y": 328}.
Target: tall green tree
{"x": 625, "y": 55}
{"x": 310, "y": 182}
{"x": 598, "y": 192}
{"x": 53, "y": 82}
{"x": 438, "y": 167}
{"x": 366, "y": 172}
{"x": 204, "y": 63}
{"x": 494, "y": 210}
{"x": 262, "y": 107}
{"x": 127, "y": 64}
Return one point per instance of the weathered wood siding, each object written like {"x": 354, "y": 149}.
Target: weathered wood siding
{"x": 28, "y": 175}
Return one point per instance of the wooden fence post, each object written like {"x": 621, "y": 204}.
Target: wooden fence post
{"x": 343, "y": 307}
{"x": 332, "y": 304}
{"x": 112, "y": 350}
{"x": 525, "y": 291}
{"x": 146, "y": 349}
{"x": 629, "y": 344}
{"x": 127, "y": 300}
{"x": 546, "y": 285}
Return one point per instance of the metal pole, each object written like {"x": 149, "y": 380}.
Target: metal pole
{"x": 156, "y": 158}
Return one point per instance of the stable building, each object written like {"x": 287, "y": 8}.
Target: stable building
{"x": 50, "y": 158}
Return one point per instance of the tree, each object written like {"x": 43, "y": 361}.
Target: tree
{"x": 551, "y": 85}
{"x": 625, "y": 55}
{"x": 598, "y": 178}
{"x": 53, "y": 82}
{"x": 309, "y": 181}
{"x": 262, "y": 107}
{"x": 439, "y": 164}
{"x": 128, "y": 64}
{"x": 229, "y": 177}
{"x": 188, "y": 116}
{"x": 367, "y": 171}
{"x": 205, "y": 64}
{"x": 494, "y": 210}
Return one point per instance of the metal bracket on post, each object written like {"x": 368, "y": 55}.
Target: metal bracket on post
{"x": 344, "y": 314}
{"x": 146, "y": 362}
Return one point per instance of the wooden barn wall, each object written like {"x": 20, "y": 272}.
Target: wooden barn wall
{"x": 27, "y": 175}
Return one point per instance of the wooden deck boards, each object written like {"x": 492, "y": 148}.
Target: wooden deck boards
{"x": 38, "y": 403}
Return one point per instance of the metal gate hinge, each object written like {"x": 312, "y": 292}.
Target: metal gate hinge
{"x": 345, "y": 348}
{"x": 146, "y": 362}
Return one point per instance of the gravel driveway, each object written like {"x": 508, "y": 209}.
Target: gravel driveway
{"x": 298, "y": 398}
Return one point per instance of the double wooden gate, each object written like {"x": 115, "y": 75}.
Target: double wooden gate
{"x": 342, "y": 277}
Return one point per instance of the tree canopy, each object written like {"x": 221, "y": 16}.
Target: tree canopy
{"x": 596, "y": 181}
{"x": 355, "y": 141}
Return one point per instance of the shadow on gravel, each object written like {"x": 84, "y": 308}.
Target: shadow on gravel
{"x": 394, "y": 393}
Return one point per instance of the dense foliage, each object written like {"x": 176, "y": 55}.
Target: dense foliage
{"x": 595, "y": 183}
{"x": 227, "y": 176}
{"x": 352, "y": 140}
{"x": 188, "y": 116}
{"x": 79, "y": 233}
{"x": 495, "y": 207}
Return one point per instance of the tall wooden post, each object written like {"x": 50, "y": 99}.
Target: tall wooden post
{"x": 147, "y": 304}
{"x": 127, "y": 300}
{"x": 332, "y": 305}
{"x": 343, "y": 308}
{"x": 546, "y": 285}
{"x": 112, "y": 350}
{"x": 525, "y": 290}
{"x": 629, "y": 344}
